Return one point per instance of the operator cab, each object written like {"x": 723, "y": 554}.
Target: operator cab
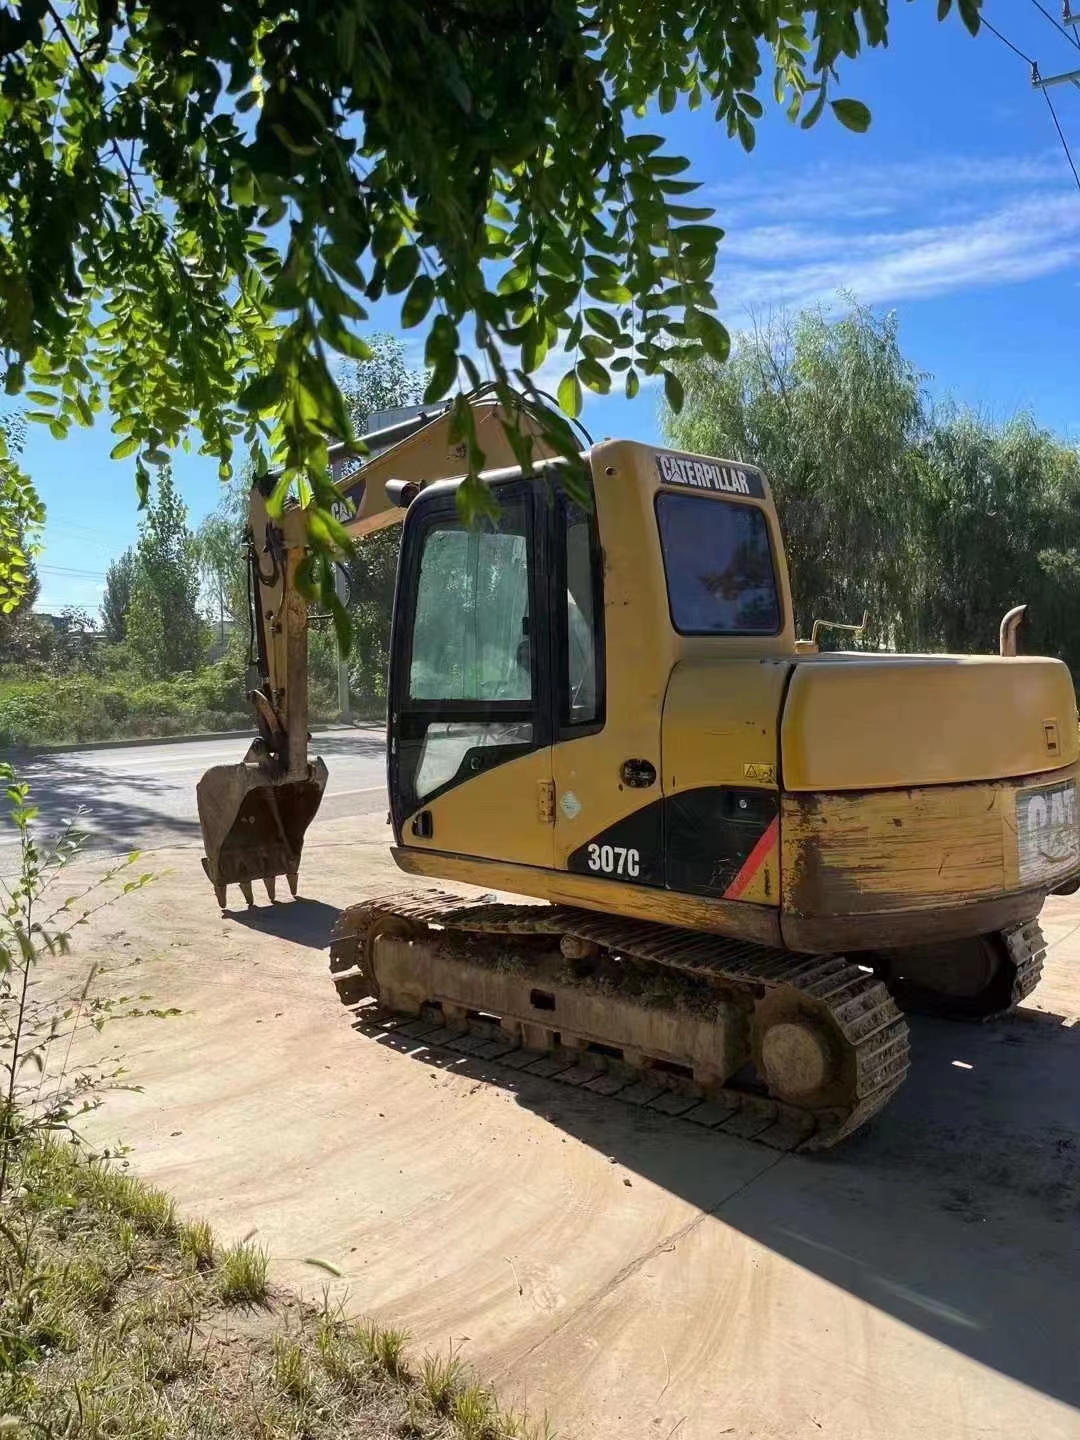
{"x": 537, "y": 648}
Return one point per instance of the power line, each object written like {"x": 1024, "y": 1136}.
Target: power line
{"x": 1035, "y": 80}
{"x": 1026, "y": 58}
{"x": 1056, "y": 24}
{"x": 51, "y": 524}
{"x": 69, "y": 570}
{"x": 1061, "y": 137}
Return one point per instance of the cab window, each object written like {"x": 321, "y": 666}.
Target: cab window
{"x": 719, "y": 566}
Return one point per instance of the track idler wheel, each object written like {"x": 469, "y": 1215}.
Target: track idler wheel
{"x": 352, "y": 950}
{"x": 799, "y": 1054}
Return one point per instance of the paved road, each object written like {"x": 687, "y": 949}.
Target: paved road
{"x": 142, "y": 796}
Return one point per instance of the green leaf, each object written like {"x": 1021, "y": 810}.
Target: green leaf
{"x": 418, "y": 301}
{"x": 569, "y": 395}
{"x": 443, "y": 375}
{"x": 124, "y": 449}
{"x": 401, "y": 271}
{"x": 263, "y": 393}
{"x": 603, "y": 322}
{"x": 852, "y": 114}
{"x": 633, "y": 384}
{"x": 296, "y": 147}
{"x": 594, "y": 375}
{"x": 713, "y": 336}
{"x": 673, "y": 391}
{"x": 814, "y": 113}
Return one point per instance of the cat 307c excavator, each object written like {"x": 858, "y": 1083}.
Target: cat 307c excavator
{"x": 755, "y": 855}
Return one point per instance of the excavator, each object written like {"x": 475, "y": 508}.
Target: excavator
{"x": 745, "y": 857}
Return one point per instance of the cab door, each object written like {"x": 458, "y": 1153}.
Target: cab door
{"x": 470, "y": 727}
{"x": 606, "y": 721}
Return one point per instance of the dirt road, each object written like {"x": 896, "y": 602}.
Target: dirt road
{"x": 633, "y": 1275}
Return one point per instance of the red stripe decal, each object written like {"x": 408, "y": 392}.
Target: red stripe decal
{"x": 754, "y": 860}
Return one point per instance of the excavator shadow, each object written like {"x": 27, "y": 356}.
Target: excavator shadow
{"x": 303, "y": 921}
{"x": 957, "y": 1212}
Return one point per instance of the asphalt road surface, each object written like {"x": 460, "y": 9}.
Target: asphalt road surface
{"x": 143, "y": 796}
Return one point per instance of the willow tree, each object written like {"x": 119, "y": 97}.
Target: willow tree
{"x": 201, "y": 201}
{"x": 835, "y": 413}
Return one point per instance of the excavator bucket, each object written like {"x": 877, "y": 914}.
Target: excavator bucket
{"x": 253, "y": 826}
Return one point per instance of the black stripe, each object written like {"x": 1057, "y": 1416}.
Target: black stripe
{"x": 695, "y": 841}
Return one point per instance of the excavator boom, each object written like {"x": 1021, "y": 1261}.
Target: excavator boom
{"x": 254, "y": 815}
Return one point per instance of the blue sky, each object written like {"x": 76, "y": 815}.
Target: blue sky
{"x": 957, "y": 209}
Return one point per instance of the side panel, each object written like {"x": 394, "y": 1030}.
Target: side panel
{"x": 721, "y": 797}
{"x": 892, "y": 853}
{"x": 503, "y": 813}
{"x": 758, "y": 923}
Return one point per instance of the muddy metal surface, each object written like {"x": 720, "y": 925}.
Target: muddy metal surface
{"x": 632, "y": 1274}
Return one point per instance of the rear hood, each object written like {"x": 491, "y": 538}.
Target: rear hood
{"x": 867, "y": 722}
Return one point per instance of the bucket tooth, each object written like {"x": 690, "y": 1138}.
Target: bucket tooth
{"x": 293, "y": 878}
{"x": 247, "y": 892}
{"x": 222, "y": 893}
{"x": 270, "y": 881}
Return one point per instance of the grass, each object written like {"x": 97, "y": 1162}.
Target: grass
{"x": 120, "y": 1318}
{"x": 243, "y": 1273}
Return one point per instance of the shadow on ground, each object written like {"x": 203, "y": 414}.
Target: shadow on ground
{"x": 116, "y": 811}
{"x": 304, "y": 922}
{"x": 957, "y": 1211}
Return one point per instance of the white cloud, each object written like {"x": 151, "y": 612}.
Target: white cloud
{"x": 859, "y": 191}
{"x": 952, "y": 224}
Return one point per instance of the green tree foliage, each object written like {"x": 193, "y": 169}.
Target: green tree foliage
{"x": 116, "y": 601}
{"x": 164, "y": 630}
{"x": 21, "y": 517}
{"x": 934, "y": 521}
{"x": 384, "y": 382}
{"x": 1002, "y": 528}
{"x": 834, "y": 413}
{"x": 222, "y": 554}
{"x": 200, "y": 202}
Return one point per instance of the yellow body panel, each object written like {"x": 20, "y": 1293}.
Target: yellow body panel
{"x": 500, "y": 813}
{"x": 893, "y": 853}
{"x": 720, "y": 720}
{"x": 720, "y": 729}
{"x": 759, "y": 923}
{"x": 863, "y": 722}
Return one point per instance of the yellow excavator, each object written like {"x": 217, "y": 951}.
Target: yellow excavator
{"x": 755, "y": 855}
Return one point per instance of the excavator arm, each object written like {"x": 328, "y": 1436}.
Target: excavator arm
{"x": 254, "y": 815}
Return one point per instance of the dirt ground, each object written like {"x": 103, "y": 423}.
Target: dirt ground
{"x": 633, "y": 1275}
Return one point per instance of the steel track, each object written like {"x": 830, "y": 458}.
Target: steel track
{"x": 853, "y": 1001}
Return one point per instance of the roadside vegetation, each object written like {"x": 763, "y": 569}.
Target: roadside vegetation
{"x": 169, "y": 652}
{"x": 120, "y": 1318}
